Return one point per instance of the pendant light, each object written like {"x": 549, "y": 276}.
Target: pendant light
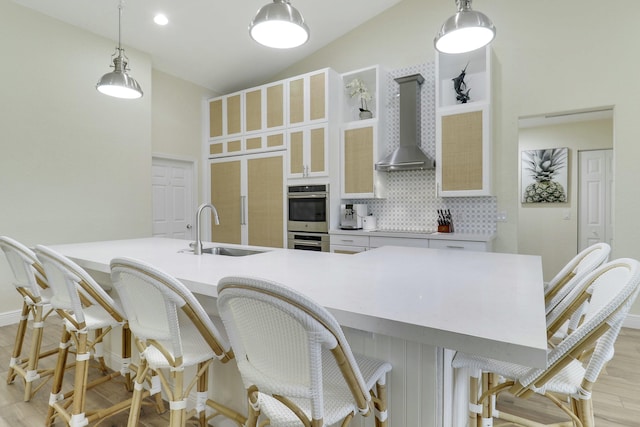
{"x": 279, "y": 25}
{"x": 465, "y": 31}
{"x": 118, "y": 83}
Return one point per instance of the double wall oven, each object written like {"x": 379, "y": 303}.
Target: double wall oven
{"x": 308, "y": 217}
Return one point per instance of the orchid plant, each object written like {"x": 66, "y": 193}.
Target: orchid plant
{"x": 358, "y": 88}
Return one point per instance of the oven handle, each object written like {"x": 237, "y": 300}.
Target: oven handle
{"x": 307, "y": 196}
{"x": 307, "y": 243}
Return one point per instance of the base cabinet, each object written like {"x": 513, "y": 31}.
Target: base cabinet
{"x": 350, "y": 243}
{"x": 248, "y": 192}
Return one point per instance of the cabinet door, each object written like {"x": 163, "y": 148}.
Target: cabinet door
{"x": 318, "y": 148}
{"x": 265, "y": 201}
{"x": 308, "y": 98}
{"x": 465, "y": 245}
{"x": 308, "y": 152}
{"x": 253, "y": 110}
{"x": 347, "y": 250}
{"x": 226, "y": 197}
{"x": 275, "y": 106}
{"x": 234, "y": 114}
{"x": 358, "y": 161}
{"x": 463, "y": 163}
{"x": 264, "y": 108}
{"x": 215, "y": 118}
{"x": 318, "y": 96}
{"x": 296, "y": 153}
{"x": 225, "y": 116}
{"x": 296, "y": 101}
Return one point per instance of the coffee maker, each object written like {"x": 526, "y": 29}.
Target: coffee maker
{"x": 351, "y": 216}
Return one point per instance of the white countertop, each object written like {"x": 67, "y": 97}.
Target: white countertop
{"x": 418, "y": 235}
{"x": 489, "y": 304}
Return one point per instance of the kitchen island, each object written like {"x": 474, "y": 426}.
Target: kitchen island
{"x": 400, "y": 304}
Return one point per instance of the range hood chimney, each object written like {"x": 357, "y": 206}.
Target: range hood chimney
{"x": 409, "y": 156}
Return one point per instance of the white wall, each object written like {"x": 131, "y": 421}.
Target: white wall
{"x": 176, "y": 117}
{"x": 74, "y": 164}
{"x": 546, "y": 59}
{"x": 542, "y": 228}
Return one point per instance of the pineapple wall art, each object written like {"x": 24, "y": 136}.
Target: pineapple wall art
{"x": 544, "y": 175}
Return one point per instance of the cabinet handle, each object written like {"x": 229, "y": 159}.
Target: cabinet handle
{"x": 455, "y": 247}
{"x": 347, "y": 240}
{"x": 243, "y": 205}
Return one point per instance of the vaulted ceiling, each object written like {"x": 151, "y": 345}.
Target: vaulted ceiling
{"x": 206, "y": 41}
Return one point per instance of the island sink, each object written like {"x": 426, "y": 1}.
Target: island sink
{"x": 221, "y": 250}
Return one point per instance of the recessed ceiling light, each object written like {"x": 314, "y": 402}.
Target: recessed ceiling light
{"x": 161, "y": 19}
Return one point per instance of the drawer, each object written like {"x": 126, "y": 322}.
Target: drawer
{"x": 347, "y": 249}
{"x": 376, "y": 242}
{"x": 350, "y": 240}
{"x": 466, "y": 245}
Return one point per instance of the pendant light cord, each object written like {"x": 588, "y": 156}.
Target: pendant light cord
{"x": 120, "y": 6}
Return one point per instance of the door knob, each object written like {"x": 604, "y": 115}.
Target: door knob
{"x": 188, "y": 226}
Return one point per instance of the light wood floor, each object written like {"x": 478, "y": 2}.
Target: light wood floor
{"x": 616, "y": 394}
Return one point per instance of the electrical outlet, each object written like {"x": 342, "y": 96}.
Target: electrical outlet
{"x": 501, "y": 216}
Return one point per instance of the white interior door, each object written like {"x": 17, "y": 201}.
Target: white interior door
{"x": 595, "y": 219}
{"x": 173, "y": 198}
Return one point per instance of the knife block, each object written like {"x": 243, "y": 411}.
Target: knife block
{"x": 445, "y": 228}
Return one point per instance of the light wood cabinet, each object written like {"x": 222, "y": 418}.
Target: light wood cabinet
{"x": 309, "y": 97}
{"x": 463, "y": 130}
{"x": 360, "y": 140}
{"x": 248, "y": 192}
{"x": 308, "y": 149}
{"x": 265, "y": 108}
{"x": 359, "y": 150}
{"x": 225, "y": 116}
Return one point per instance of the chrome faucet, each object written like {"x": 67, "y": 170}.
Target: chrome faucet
{"x": 197, "y": 248}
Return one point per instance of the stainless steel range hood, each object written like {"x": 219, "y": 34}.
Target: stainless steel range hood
{"x": 409, "y": 156}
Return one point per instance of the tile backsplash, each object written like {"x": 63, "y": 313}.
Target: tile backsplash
{"x": 411, "y": 203}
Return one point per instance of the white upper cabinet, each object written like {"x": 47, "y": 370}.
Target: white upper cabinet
{"x": 310, "y": 97}
{"x": 225, "y": 116}
{"x": 265, "y": 108}
{"x": 463, "y": 124}
{"x": 362, "y": 134}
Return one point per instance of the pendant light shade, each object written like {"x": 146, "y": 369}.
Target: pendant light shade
{"x": 279, "y": 25}
{"x": 118, "y": 83}
{"x": 465, "y": 31}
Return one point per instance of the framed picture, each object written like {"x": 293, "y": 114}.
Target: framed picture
{"x": 544, "y": 175}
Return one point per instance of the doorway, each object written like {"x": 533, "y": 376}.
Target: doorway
{"x": 595, "y": 219}
{"x": 551, "y": 230}
{"x": 173, "y": 194}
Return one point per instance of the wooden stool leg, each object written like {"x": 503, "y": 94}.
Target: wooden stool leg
{"x": 253, "y": 410}
{"x": 487, "y": 408}
{"x": 99, "y": 352}
{"x": 584, "y": 411}
{"x": 203, "y": 387}
{"x": 473, "y": 401}
{"x": 177, "y": 410}
{"x": 138, "y": 389}
{"x": 34, "y": 352}
{"x": 381, "y": 393}
{"x": 81, "y": 374}
{"x": 17, "y": 347}
{"x": 58, "y": 375}
{"x": 126, "y": 356}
